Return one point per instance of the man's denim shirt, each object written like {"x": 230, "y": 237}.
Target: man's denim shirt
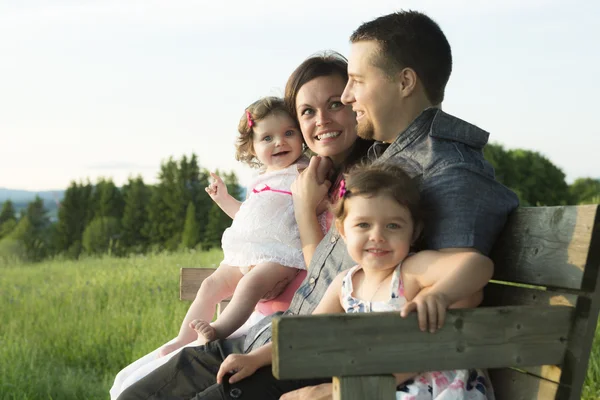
{"x": 463, "y": 205}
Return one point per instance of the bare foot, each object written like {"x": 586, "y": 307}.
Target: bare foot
{"x": 204, "y": 329}
{"x": 168, "y": 348}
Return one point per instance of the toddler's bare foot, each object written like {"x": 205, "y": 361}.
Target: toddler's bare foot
{"x": 204, "y": 329}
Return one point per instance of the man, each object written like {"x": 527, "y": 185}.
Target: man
{"x": 399, "y": 67}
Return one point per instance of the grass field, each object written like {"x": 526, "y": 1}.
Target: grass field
{"x": 68, "y": 327}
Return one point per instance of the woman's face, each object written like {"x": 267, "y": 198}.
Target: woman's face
{"x": 328, "y": 126}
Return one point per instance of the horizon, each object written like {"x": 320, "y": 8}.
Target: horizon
{"x": 113, "y": 89}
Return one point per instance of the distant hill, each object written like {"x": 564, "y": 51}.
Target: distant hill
{"x": 21, "y": 198}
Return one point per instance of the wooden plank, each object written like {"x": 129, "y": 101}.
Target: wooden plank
{"x": 381, "y": 343}
{"x": 546, "y": 246}
{"x": 510, "y": 384}
{"x": 582, "y": 333}
{"x": 190, "y": 280}
{"x": 499, "y": 294}
{"x": 364, "y": 387}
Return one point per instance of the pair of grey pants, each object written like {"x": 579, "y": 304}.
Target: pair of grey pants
{"x": 191, "y": 374}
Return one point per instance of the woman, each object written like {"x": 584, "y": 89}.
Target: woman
{"x": 313, "y": 95}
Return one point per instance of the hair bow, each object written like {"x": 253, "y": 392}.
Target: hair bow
{"x": 342, "y": 188}
{"x": 249, "y": 118}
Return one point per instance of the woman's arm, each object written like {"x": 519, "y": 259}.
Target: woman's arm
{"x": 308, "y": 193}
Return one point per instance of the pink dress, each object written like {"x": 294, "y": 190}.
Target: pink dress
{"x": 471, "y": 384}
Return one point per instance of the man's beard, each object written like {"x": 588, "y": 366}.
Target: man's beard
{"x": 365, "y": 129}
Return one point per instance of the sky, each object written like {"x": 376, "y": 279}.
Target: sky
{"x": 113, "y": 88}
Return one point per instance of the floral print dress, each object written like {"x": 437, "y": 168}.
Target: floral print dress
{"x": 472, "y": 384}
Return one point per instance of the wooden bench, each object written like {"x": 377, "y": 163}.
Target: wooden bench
{"x": 534, "y": 331}
{"x": 190, "y": 280}
{"x": 536, "y": 339}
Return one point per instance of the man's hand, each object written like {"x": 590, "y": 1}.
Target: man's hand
{"x": 217, "y": 190}
{"x": 320, "y": 392}
{"x": 431, "y": 309}
{"x": 241, "y": 365}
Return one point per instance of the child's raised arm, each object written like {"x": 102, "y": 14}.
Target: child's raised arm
{"x": 218, "y": 192}
{"x": 437, "y": 280}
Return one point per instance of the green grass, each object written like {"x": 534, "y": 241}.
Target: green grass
{"x": 67, "y": 328}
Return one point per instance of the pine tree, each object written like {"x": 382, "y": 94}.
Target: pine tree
{"x": 73, "y": 216}
{"x": 108, "y": 200}
{"x": 191, "y": 236}
{"x": 163, "y": 228}
{"x": 8, "y": 218}
{"x": 135, "y": 215}
{"x": 8, "y": 212}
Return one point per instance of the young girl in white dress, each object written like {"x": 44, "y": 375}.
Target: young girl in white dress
{"x": 262, "y": 248}
{"x": 378, "y": 217}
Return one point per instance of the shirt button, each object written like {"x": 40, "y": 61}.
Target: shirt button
{"x": 312, "y": 281}
{"x": 235, "y": 393}
{"x": 333, "y": 238}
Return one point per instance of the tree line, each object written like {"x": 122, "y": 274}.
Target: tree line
{"x": 177, "y": 213}
{"x": 102, "y": 218}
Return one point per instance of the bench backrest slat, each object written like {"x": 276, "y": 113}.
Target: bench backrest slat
{"x": 385, "y": 343}
{"x": 549, "y": 246}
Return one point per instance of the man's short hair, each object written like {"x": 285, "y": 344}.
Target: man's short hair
{"x": 410, "y": 39}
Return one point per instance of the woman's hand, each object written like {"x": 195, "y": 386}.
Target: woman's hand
{"x": 311, "y": 186}
{"x": 241, "y": 365}
{"x": 431, "y": 309}
{"x": 217, "y": 190}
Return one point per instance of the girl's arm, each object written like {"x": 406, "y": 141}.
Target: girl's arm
{"x": 230, "y": 205}
{"x": 437, "y": 280}
{"x": 218, "y": 192}
{"x": 308, "y": 193}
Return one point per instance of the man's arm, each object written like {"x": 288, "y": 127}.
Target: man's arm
{"x": 464, "y": 208}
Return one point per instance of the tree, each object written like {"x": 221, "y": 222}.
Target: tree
{"x": 585, "y": 191}
{"x": 8, "y": 212}
{"x": 135, "y": 215}
{"x": 532, "y": 176}
{"x": 108, "y": 200}
{"x": 100, "y": 236}
{"x": 74, "y": 213}
{"x": 191, "y": 233}
{"x": 8, "y": 218}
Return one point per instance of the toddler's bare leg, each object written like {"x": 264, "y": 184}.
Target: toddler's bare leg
{"x": 265, "y": 280}
{"x": 218, "y": 286}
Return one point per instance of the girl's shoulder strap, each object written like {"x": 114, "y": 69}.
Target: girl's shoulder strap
{"x": 397, "y": 287}
{"x": 347, "y": 287}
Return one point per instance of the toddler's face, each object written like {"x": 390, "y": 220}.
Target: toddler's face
{"x": 377, "y": 230}
{"x": 276, "y": 141}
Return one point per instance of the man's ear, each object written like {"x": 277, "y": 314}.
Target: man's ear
{"x": 418, "y": 229}
{"x": 407, "y": 81}
{"x": 339, "y": 225}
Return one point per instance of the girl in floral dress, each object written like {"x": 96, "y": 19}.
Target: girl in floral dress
{"x": 378, "y": 217}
